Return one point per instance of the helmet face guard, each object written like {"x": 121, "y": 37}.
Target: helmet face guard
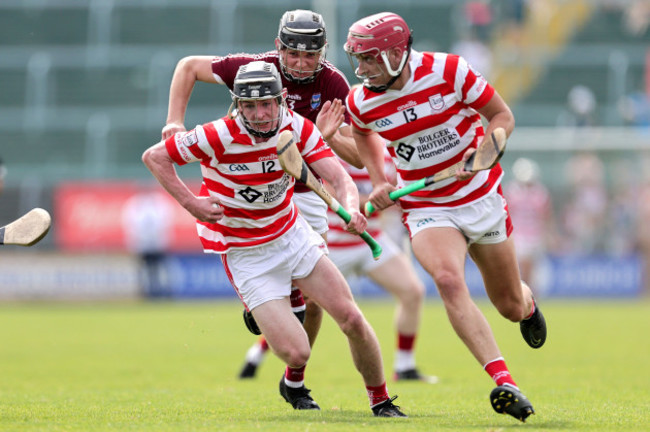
{"x": 375, "y": 36}
{"x": 302, "y": 31}
{"x": 257, "y": 83}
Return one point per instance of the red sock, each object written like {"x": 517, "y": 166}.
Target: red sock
{"x": 297, "y": 301}
{"x": 499, "y": 372}
{"x": 295, "y": 375}
{"x": 377, "y": 394}
{"x": 264, "y": 345}
{"x": 532, "y": 311}
{"x": 405, "y": 342}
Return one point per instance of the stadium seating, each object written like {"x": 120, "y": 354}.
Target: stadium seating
{"x": 602, "y": 56}
{"x": 68, "y": 70}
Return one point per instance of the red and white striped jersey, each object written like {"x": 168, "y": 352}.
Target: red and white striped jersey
{"x": 429, "y": 124}
{"x": 305, "y": 99}
{"x": 246, "y": 177}
{"x": 531, "y": 210}
{"x": 337, "y": 236}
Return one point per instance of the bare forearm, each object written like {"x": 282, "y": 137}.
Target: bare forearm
{"x": 187, "y": 72}
{"x": 371, "y": 154}
{"x": 162, "y": 167}
{"x": 347, "y": 194}
{"x": 180, "y": 92}
{"x": 345, "y": 191}
{"x": 345, "y": 148}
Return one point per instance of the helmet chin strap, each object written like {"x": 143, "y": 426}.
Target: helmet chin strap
{"x": 248, "y": 124}
{"x": 286, "y": 70}
{"x": 393, "y": 73}
{"x": 400, "y": 68}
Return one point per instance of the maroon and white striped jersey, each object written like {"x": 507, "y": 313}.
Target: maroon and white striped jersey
{"x": 305, "y": 99}
{"x": 429, "y": 124}
{"x": 246, "y": 177}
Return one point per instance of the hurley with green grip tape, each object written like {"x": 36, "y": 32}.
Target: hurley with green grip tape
{"x": 294, "y": 165}
{"x": 485, "y": 157}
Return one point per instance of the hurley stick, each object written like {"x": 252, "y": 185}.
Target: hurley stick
{"x": 485, "y": 157}
{"x": 27, "y": 230}
{"x": 294, "y": 165}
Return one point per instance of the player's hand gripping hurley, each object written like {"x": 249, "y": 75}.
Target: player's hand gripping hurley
{"x": 485, "y": 157}
{"x": 293, "y": 164}
{"x": 27, "y": 230}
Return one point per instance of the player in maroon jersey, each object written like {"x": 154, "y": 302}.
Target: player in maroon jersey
{"x": 428, "y": 106}
{"x": 247, "y": 216}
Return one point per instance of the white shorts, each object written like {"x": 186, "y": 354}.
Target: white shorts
{"x": 484, "y": 222}
{"x": 265, "y": 272}
{"x": 313, "y": 209}
{"x": 358, "y": 261}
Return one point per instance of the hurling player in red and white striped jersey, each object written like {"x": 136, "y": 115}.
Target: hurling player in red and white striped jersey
{"x": 428, "y": 106}
{"x": 245, "y": 213}
{"x": 315, "y": 89}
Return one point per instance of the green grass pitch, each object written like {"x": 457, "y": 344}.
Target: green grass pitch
{"x": 173, "y": 367}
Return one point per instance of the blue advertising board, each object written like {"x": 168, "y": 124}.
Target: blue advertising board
{"x": 203, "y": 276}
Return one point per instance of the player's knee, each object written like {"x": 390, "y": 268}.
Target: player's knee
{"x": 413, "y": 295}
{"x": 353, "y": 324}
{"x": 417, "y": 292}
{"x": 450, "y": 285}
{"x": 294, "y": 356}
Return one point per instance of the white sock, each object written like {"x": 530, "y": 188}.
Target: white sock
{"x": 255, "y": 354}
{"x": 294, "y": 384}
{"x": 404, "y": 360}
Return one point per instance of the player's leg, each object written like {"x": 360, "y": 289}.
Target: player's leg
{"x": 314, "y": 211}
{"x": 286, "y": 336}
{"x": 257, "y": 352}
{"x": 495, "y": 256}
{"x": 283, "y": 332}
{"x": 254, "y": 358}
{"x": 397, "y": 276}
{"x": 262, "y": 278}
{"x": 498, "y": 266}
{"x": 509, "y": 294}
{"x": 313, "y": 320}
{"x": 393, "y": 272}
{"x": 441, "y": 251}
{"x": 326, "y": 286}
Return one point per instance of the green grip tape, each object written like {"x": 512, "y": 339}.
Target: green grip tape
{"x": 374, "y": 246}
{"x": 399, "y": 193}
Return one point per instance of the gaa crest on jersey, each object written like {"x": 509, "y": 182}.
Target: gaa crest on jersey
{"x": 315, "y": 100}
{"x": 190, "y": 138}
{"x": 437, "y": 102}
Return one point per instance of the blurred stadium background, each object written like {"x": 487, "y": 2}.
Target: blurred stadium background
{"x": 84, "y": 88}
